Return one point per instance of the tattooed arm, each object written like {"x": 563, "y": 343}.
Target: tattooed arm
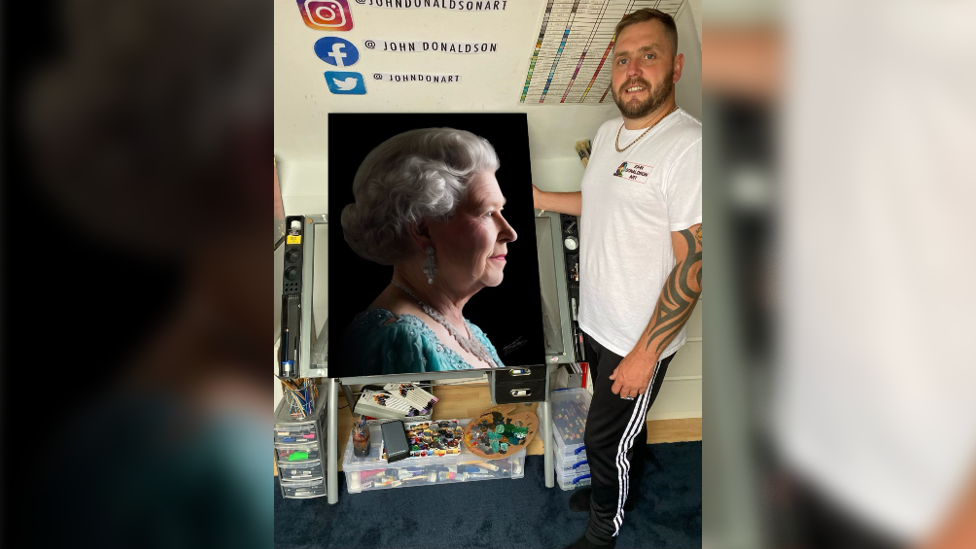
{"x": 673, "y": 309}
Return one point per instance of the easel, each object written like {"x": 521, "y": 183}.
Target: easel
{"x": 331, "y": 385}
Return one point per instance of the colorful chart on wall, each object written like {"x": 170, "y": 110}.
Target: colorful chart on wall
{"x": 571, "y": 60}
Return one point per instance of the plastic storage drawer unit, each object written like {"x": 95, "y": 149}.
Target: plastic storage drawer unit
{"x": 299, "y": 451}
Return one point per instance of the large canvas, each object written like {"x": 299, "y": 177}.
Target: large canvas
{"x": 473, "y": 249}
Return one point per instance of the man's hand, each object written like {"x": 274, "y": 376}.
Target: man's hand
{"x": 632, "y": 376}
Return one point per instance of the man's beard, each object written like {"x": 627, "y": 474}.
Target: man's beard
{"x": 658, "y": 95}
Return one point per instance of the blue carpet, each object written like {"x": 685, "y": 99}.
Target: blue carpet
{"x": 519, "y": 513}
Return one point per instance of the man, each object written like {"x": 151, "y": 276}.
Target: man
{"x": 640, "y": 259}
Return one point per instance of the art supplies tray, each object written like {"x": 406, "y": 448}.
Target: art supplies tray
{"x": 419, "y": 398}
{"x": 429, "y": 439}
{"x": 374, "y": 473}
{"x": 395, "y": 400}
{"x": 569, "y": 410}
{"x": 375, "y": 458}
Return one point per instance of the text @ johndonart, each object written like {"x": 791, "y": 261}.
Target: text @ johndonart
{"x": 428, "y": 78}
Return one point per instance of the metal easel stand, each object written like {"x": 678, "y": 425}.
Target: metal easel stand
{"x": 545, "y": 418}
{"x": 318, "y": 368}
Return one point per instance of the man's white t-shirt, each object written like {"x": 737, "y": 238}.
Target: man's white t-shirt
{"x": 632, "y": 201}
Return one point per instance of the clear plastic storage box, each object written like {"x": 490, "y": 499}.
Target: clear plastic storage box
{"x": 573, "y": 483}
{"x": 574, "y": 467}
{"x": 569, "y": 409}
{"x": 375, "y": 473}
{"x": 571, "y": 476}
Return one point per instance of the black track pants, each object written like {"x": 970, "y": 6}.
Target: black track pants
{"x": 616, "y": 441}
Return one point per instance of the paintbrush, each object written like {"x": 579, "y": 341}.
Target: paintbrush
{"x": 583, "y": 150}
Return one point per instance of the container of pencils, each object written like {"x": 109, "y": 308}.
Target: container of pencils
{"x": 360, "y": 438}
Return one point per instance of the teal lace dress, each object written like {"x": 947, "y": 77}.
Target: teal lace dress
{"x": 375, "y": 347}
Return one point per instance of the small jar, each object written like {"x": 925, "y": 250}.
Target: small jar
{"x": 360, "y": 441}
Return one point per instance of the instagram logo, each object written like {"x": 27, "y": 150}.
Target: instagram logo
{"x": 327, "y": 15}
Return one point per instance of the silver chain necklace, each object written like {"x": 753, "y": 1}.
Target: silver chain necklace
{"x": 472, "y": 345}
{"x": 616, "y": 142}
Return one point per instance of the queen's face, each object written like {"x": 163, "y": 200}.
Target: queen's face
{"x": 471, "y": 246}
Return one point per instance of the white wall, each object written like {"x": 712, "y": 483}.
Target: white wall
{"x": 689, "y": 89}
{"x": 491, "y": 83}
{"x": 696, "y": 11}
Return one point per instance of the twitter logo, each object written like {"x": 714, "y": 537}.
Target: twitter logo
{"x": 345, "y": 83}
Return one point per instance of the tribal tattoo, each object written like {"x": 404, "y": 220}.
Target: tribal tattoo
{"x": 679, "y": 296}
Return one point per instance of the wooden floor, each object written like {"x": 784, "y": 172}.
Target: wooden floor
{"x": 468, "y": 401}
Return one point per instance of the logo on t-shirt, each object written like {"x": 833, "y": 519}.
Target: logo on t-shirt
{"x": 634, "y": 172}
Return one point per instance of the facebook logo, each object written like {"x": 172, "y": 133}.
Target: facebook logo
{"x": 336, "y": 51}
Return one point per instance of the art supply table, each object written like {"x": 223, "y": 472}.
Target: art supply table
{"x": 330, "y": 386}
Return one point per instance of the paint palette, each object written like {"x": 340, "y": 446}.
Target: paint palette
{"x": 498, "y": 433}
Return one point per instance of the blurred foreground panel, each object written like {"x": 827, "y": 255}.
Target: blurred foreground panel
{"x": 841, "y": 178}
{"x": 132, "y": 134}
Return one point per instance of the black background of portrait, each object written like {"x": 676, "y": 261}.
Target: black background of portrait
{"x": 509, "y": 314}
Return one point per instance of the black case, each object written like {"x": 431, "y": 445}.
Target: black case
{"x": 395, "y": 441}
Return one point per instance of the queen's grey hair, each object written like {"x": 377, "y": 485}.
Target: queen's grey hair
{"x": 414, "y": 176}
